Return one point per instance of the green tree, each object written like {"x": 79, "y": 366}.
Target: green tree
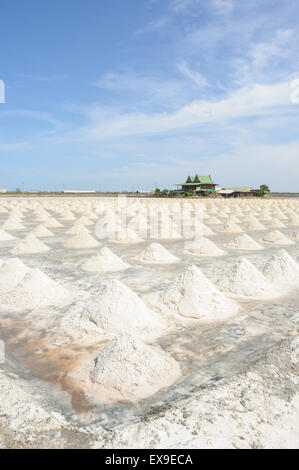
{"x": 18, "y": 190}
{"x": 157, "y": 192}
{"x": 263, "y": 190}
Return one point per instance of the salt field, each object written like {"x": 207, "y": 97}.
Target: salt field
{"x": 149, "y": 322}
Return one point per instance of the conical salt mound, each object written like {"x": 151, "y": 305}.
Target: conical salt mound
{"x": 139, "y": 222}
{"x": 77, "y": 228}
{"x": 294, "y": 220}
{"x": 205, "y": 247}
{"x": 203, "y": 230}
{"x": 193, "y": 295}
{"x": 169, "y": 233}
{"x": 13, "y": 224}
{"x": 41, "y": 213}
{"x": 157, "y": 254}
{"x": 82, "y": 240}
{"x": 12, "y": 272}
{"x": 213, "y": 221}
{"x": 85, "y": 221}
{"x": 244, "y": 242}
{"x": 105, "y": 261}
{"x": 126, "y": 236}
{"x": 231, "y": 227}
{"x": 275, "y": 223}
{"x": 41, "y": 217}
{"x": 91, "y": 216}
{"x": 234, "y": 219}
{"x": 29, "y": 245}
{"x": 68, "y": 216}
{"x": 281, "y": 267}
{"x": 255, "y": 225}
{"x": 35, "y": 290}
{"x": 52, "y": 223}
{"x": 41, "y": 231}
{"x": 5, "y": 236}
{"x": 133, "y": 369}
{"x": 243, "y": 278}
{"x": 277, "y": 238}
{"x": 16, "y": 213}
{"x": 114, "y": 309}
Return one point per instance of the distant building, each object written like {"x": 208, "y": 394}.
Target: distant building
{"x": 197, "y": 183}
{"x": 3, "y": 191}
{"x": 78, "y": 191}
{"x": 242, "y": 191}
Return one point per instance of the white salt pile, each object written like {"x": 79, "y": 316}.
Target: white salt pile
{"x": 41, "y": 232}
{"x": 293, "y": 220}
{"x": 125, "y": 236}
{"x": 277, "y": 238}
{"x": 203, "y": 246}
{"x": 85, "y": 221}
{"x": 12, "y": 272}
{"x": 105, "y": 261}
{"x": 29, "y": 245}
{"x": 68, "y": 215}
{"x": 133, "y": 369}
{"x": 83, "y": 239}
{"x": 244, "y": 279}
{"x": 139, "y": 224}
{"x": 52, "y": 223}
{"x": 168, "y": 232}
{"x": 13, "y": 223}
{"x": 203, "y": 230}
{"x": 231, "y": 227}
{"x": 35, "y": 290}
{"x": 275, "y": 223}
{"x": 294, "y": 235}
{"x": 113, "y": 309}
{"x": 77, "y": 228}
{"x": 193, "y": 295}
{"x": 109, "y": 226}
{"x": 244, "y": 242}
{"x": 5, "y": 236}
{"x": 157, "y": 254}
{"x": 212, "y": 221}
{"x": 255, "y": 225}
{"x": 281, "y": 267}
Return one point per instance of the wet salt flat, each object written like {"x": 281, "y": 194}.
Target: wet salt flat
{"x": 209, "y": 333}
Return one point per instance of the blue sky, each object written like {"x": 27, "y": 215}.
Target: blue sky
{"x": 140, "y": 93}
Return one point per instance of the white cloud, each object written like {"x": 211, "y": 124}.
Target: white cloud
{"x": 179, "y": 6}
{"x": 145, "y": 89}
{"x": 152, "y": 26}
{"x": 222, "y": 6}
{"x": 264, "y": 59}
{"x": 245, "y": 102}
{"x": 193, "y": 75}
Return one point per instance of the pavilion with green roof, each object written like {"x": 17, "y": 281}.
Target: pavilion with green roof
{"x": 197, "y": 183}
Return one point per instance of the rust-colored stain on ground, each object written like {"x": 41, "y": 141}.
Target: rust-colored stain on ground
{"x": 50, "y": 363}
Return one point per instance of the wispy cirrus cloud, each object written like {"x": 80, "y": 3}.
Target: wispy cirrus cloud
{"x": 195, "y": 76}
{"x": 223, "y": 6}
{"x": 153, "y": 26}
{"x": 247, "y": 102}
